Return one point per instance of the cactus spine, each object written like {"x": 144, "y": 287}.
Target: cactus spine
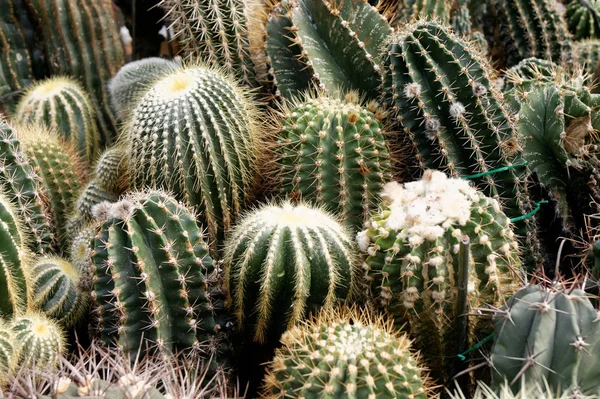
{"x": 62, "y": 105}
{"x": 333, "y": 153}
{"x": 281, "y": 262}
{"x": 583, "y": 19}
{"x": 41, "y": 338}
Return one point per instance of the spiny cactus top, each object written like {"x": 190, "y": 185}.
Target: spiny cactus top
{"x": 583, "y": 18}
{"x": 345, "y": 354}
{"x": 111, "y": 171}
{"x": 333, "y": 153}
{"x": 195, "y": 133}
{"x": 282, "y": 262}
{"x": 406, "y": 10}
{"x": 42, "y": 340}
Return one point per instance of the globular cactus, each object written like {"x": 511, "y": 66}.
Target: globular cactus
{"x": 9, "y": 352}
{"x": 195, "y": 133}
{"x": 549, "y": 333}
{"x": 526, "y": 75}
{"x": 333, "y": 153}
{"x": 133, "y": 80}
{"x": 282, "y": 262}
{"x": 414, "y": 263}
{"x": 586, "y": 55}
{"x": 112, "y": 172}
{"x": 152, "y": 271}
{"x": 42, "y": 340}
{"x": 24, "y": 188}
{"x": 345, "y": 354}
{"x": 583, "y": 19}
{"x": 456, "y": 121}
{"x": 81, "y": 257}
{"x": 323, "y": 44}
{"x": 62, "y": 105}
{"x": 91, "y": 196}
{"x": 57, "y": 291}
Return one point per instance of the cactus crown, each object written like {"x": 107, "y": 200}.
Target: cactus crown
{"x": 41, "y": 338}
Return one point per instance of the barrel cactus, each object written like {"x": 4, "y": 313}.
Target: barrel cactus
{"x": 195, "y": 133}
{"x": 413, "y": 259}
{"x": 111, "y": 171}
{"x": 334, "y": 154}
{"x": 9, "y": 351}
{"x": 42, "y": 340}
{"x": 583, "y": 19}
{"x": 586, "y": 55}
{"x": 345, "y": 354}
{"x": 282, "y": 262}
{"x": 407, "y": 10}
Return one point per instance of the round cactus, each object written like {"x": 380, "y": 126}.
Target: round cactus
{"x": 345, "y": 354}
{"x": 9, "y": 351}
{"x": 195, "y": 134}
{"x": 62, "y": 105}
{"x": 111, "y": 171}
{"x": 333, "y": 153}
{"x": 57, "y": 290}
{"x": 283, "y": 261}
{"x": 413, "y": 258}
{"x": 41, "y": 338}
{"x": 583, "y": 19}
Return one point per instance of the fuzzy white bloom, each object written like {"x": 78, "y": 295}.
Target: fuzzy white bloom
{"x": 362, "y": 240}
{"x": 457, "y": 110}
{"x": 412, "y": 90}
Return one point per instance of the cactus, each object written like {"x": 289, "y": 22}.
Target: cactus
{"x": 583, "y": 19}
{"x": 586, "y": 55}
{"x": 42, "y": 340}
{"x": 551, "y": 333}
{"x": 81, "y": 257}
{"x": 532, "y": 28}
{"x": 407, "y": 10}
{"x": 216, "y": 31}
{"x": 56, "y": 290}
{"x": 283, "y": 261}
{"x": 538, "y": 388}
{"x": 456, "y": 121}
{"x": 345, "y": 354}
{"x": 413, "y": 259}
{"x": 91, "y": 196}
{"x": 325, "y": 44}
{"x": 526, "y": 75}
{"x": 133, "y": 80}
{"x": 24, "y": 188}
{"x": 111, "y": 171}
{"x": 333, "y": 153}
{"x": 63, "y": 106}
{"x": 152, "y": 270}
{"x": 195, "y": 133}
{"x": 9, "y": 352}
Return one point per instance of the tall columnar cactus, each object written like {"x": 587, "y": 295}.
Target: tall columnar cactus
{"x": 195, "y": 133}
{"x": 413, "y": 261}
{"x": 550, "y": 333}
{"x": 440, "y": 91}
{"x": 531, "y": 28}
{"x": 586, "y": 54}
{"x": 330, "y": 45}
{"x": 87, "y": 47}
{"x": 42, "y": 340}
{"x": 132, "y": 81}
{"x": 282, "y": 262}
{"x": 345, "y": 354}
{"x": 62, "y": 105}
{"x": 24, "y": 188}
{"x": 56, "y": 287}
{"x": 333, "y": 153}
{"x": 152, "y": 270}
{"x": 9, "y": 351}
{"x": 215, "y": 30}
{"x": 583, "y": 19}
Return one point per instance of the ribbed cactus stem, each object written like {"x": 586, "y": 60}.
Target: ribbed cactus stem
{"x": 112, "y": 173}
{"x": 583, "y": 19}
{"x": 9, "y": 351}
{"x": 42, "y": 340}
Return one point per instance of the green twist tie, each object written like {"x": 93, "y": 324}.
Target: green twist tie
{"x": 530, "y": 214}
{"x": 491, "y": 172}
{"x": 462, "y": 356}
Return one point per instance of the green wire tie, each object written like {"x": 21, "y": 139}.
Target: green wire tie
{"x": 462, "y": 356}
{"x": 491, "y": 172}
{"x": 530, "y": 214}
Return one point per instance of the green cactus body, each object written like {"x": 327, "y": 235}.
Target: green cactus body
{"x": 216, "y": 31}
{"x": 63, "y": 106}
{"x": 41, "y": 338}
{"x": 332, "y": 46}
{"x": 91, "y": 196}
{"x": 131, "y": 387}
{"x": 551, "y": 334}
{"x": 412, "y": 245}
{"x": 133, "y": 80}
{"x": 408, "y": 10}
{"x": 81, "y": 257}
{"x": 333, "y": 153}
{"x": 111, "y": 171}
{"x": 280, "y": 263}
{"x": 9, "y": 351}
{"x": 583, "y": 19}
{"x": 345, "y": 356}
{"x": 440, "y": 91}
{"x": 87, "y": 47}
{"x": 461, "y": 21}
{"x": 195, "y": 134}
{"x": 527, "y": 74}
{"x": 586, "y": 55}
{"x": 532, "y": 28}
{"x": 24, "y": 188}
{"x": 152, "y": 270}
{"x": 57, "y": 291}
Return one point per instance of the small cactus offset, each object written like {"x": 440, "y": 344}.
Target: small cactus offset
{"x": 195, "y": 133}
{"x": 112, "y": 172}
{"x": 414, "y": 260}
{"x": 42, "y": 340}
{"x": 9, "y": 352}
{"x": 345, "y": 354}
{"x": 583, "y": 19}
{"x": 281, "y": 262}
{"x": 333, "y": 153}
{"x": 56, "y": 286}
{"x": 62, "y": 105}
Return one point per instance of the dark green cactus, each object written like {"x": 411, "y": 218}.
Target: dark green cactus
{"x": 334, "y": 154}
{"x": 440, "y": 91}
{"x": 583, "y": 19}
{"x": 586, "y": 55}
{"x": 332, "y": 46}
{"x": 282, "y": 262}
{"x": 41, "y": 339}
{"x": 547, "y": 333}
{"x": 407, "y": 10}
